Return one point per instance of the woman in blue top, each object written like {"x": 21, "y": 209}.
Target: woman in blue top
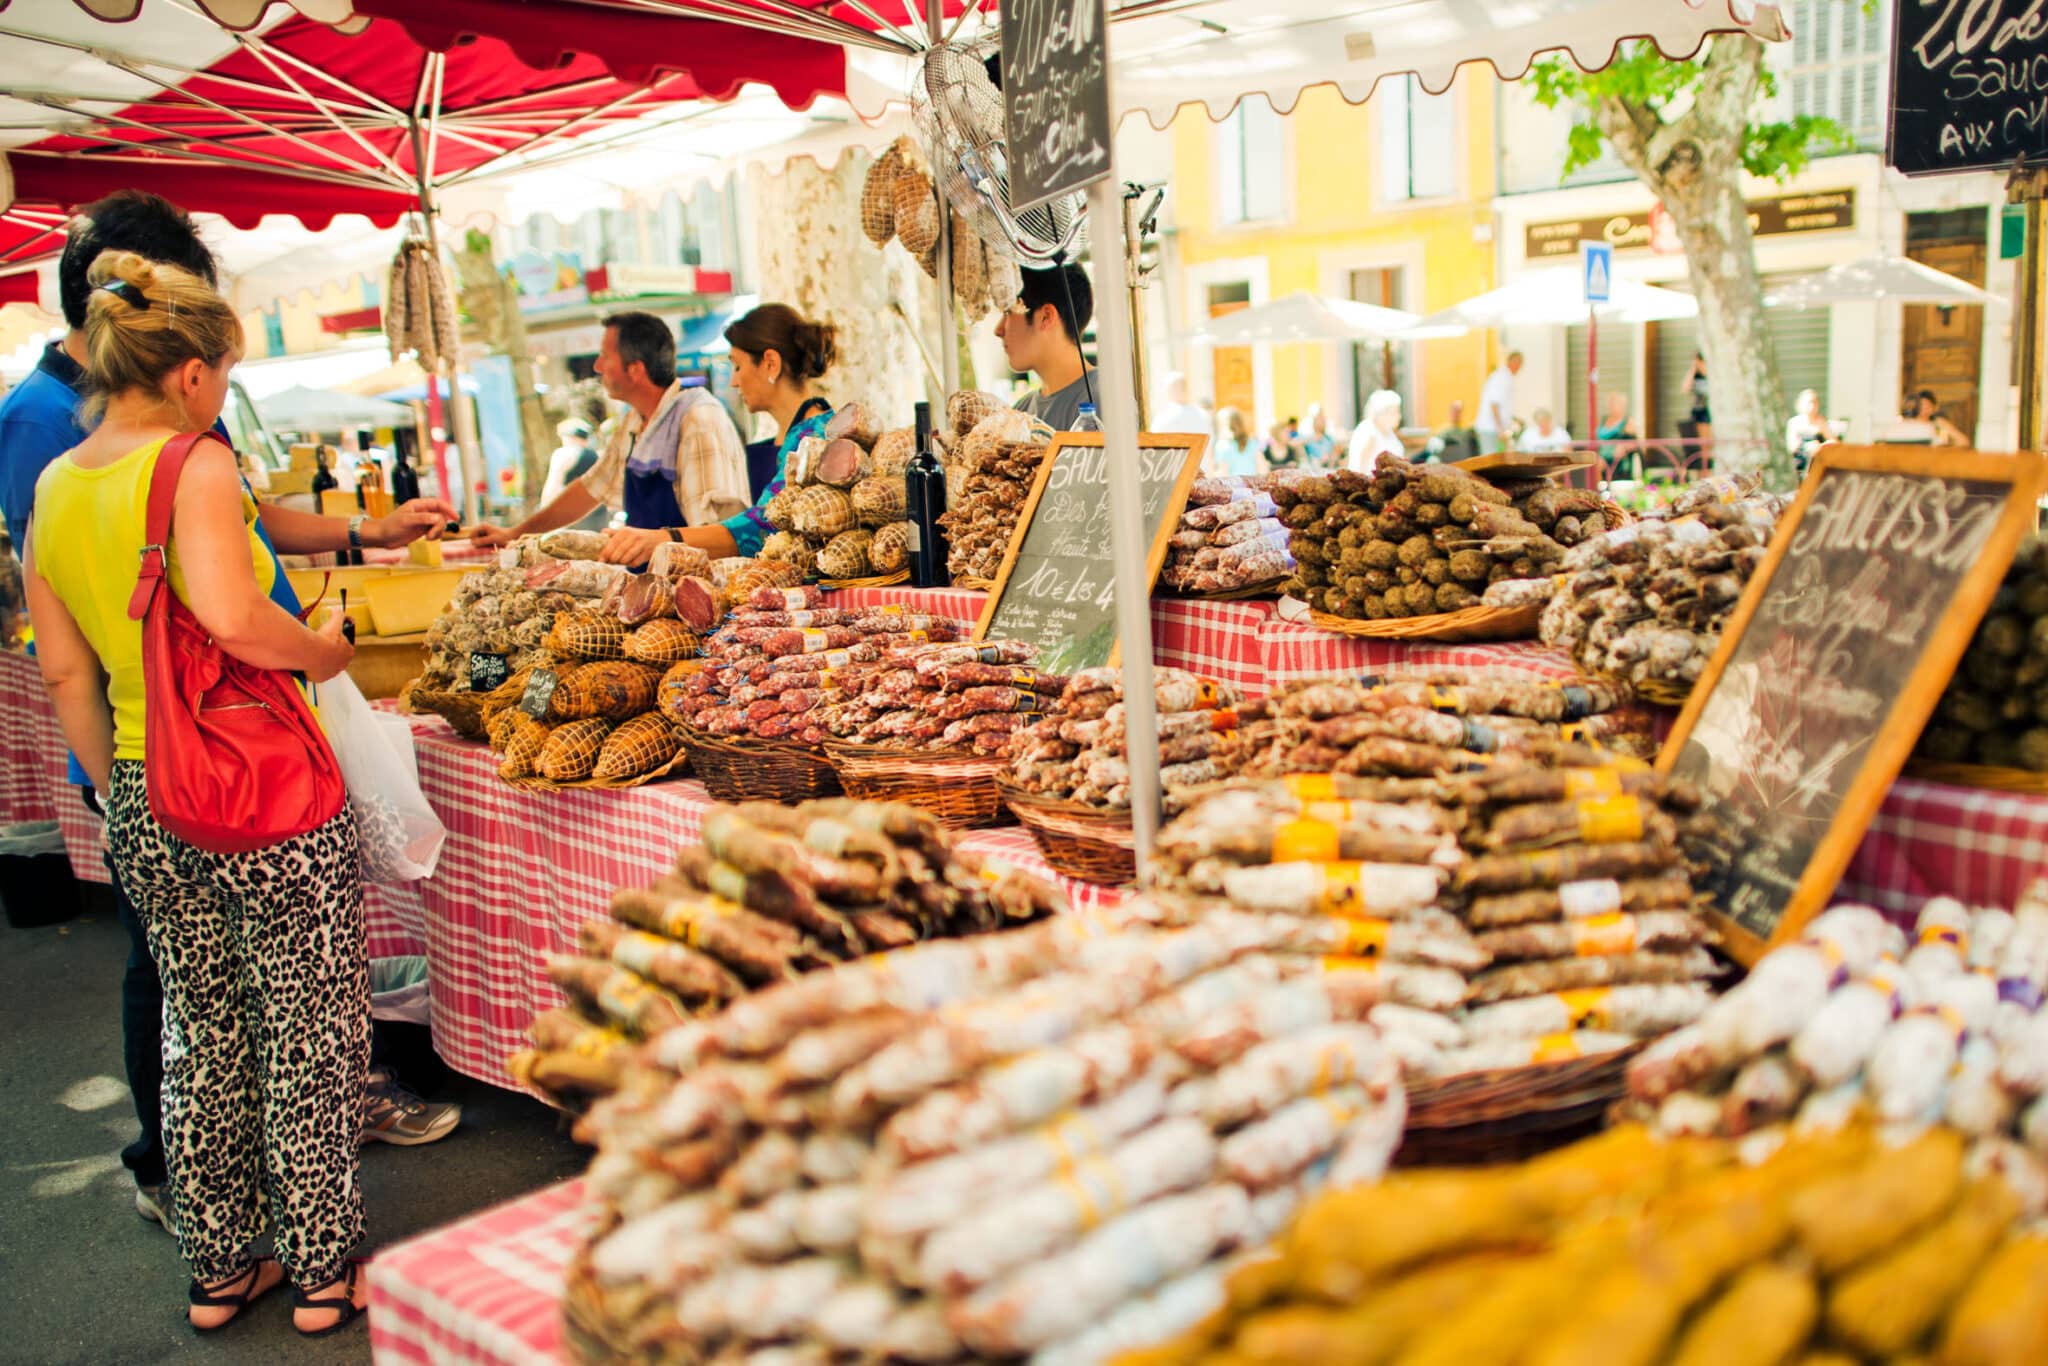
{"x": 1235, "y": 452}
{"x": 778, "y": 356}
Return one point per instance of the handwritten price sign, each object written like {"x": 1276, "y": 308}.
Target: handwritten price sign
{"x": 1056, "y": 588}
{"x": 1848, "y": 633}
{"x": 1055, "y": 97}
{"x": 1969, "y": 85}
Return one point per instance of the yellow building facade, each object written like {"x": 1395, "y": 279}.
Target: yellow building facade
{"x": 1387, "y": 202}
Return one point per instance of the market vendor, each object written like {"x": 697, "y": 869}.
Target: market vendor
{"x": 1041, "y": 333}
{"x": 676, "y": 461}
{"x": 778, "y": 356}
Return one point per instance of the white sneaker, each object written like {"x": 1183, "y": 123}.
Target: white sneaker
{"x": 149, "y": 1203}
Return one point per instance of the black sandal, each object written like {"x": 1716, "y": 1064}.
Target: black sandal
{"x": 222, "y": 1298}
{"x": 346, "y": 1303}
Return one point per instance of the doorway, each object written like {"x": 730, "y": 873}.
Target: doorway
{"x": 1235, "y": 386}
{"x": 1942, "y": 348}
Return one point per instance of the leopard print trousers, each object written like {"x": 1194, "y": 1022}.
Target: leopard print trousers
{"x": 266, "y": 1035}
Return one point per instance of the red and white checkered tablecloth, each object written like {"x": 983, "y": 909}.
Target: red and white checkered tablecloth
{"x": 522, "y": 870}
{"x": 1932, "y": 839}
{"x": 37, "y": 783}
{"x": 24, "y": 783}
{"x": 486, "y": 1290}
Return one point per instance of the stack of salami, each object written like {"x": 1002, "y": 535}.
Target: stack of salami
{"x": 1847, "y": 1019}
{"x": 1443, "y": 723}
{"x": 965, "y": 696}
{"x": 771, "y": 670}
{"x": 999, "y": 457}
{"x": 979, "y": 1150}
{"x": 840, "y": 512}
{"x": 1417, "y": 540}
{"x": 1577, "y": 886}
{"x": 1077, "y": 751}
{"x": 1552, "y": 901}
{"x": 771, "y": 892}
{"x": 1230, "y": 537}
{"x": 1646, "y": 603}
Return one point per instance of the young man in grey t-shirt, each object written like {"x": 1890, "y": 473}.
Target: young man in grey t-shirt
{"x": 1041, "y": 333}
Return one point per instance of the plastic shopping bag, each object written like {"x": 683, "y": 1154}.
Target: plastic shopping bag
{"x": 401, "y": 837}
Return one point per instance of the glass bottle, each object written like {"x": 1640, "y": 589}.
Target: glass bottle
{"x": 924, "y": 488}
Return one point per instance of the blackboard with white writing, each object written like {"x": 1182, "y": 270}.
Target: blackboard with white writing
{"x": 1875, "y": 580}
{"x": 1969, "y": 85}
{"x": 1055, "y": 97}
{"x": 1056, "y": 589}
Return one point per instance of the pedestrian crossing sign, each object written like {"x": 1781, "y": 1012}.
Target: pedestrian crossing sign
{"x": 1596, "y": 260}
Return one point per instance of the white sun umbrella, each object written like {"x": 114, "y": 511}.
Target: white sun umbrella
{"x": 1305, "y": 317}
{"x": 1886, "y": 278}
{"x": 1557, "y": 298}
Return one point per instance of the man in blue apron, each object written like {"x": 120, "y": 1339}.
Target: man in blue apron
{"x": 675, "y": 461}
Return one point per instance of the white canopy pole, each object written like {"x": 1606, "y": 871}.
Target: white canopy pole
{"x": 949, "y": 336}
{"x": 1117, "y": 403}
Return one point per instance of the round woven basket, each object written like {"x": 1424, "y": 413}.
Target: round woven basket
{"x": 587, "y": 1336}
{"x": 759, "y": 770}
{"x": 1471, "y": 623}
{"x": 1270, "y": 588}
{"x": 462, "y": 710}
{"x": 956, "y": 786}
{"x": 1079, "y": 841}
{"x": 1511, "y": 1113}
{"x": 871, "y": 581}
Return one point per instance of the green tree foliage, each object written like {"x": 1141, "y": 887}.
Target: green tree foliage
{"x": 1661, "y": 90}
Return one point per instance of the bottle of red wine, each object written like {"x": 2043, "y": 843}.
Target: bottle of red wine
{"x": 924, "y": 490}
{"x": 405, "y": 481}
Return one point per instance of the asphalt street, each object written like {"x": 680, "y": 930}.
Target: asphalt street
{"x": 82, "y": 1278}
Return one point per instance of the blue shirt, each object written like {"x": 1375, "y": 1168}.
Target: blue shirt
{"x": 1234, "y": 457}
{"x": 38, "y": 423}
{"x": 750, "y": 528}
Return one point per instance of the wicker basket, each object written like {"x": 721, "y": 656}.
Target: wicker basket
{"x": 759, "y": 770}
{"x": 1271, "y": 588}
{"x": 588, "y": 1337}
{"x": 1079, "y": 841}
{"x": 1978, "y": 775}
{"x": 1511, "y": 1113}
{"x": 872, "y": 581}
{"x": 973, "y": 584}
{"x": 958, "y": 787}
{"x": 1472, "y": 623}
{"x": 462, "y": 710}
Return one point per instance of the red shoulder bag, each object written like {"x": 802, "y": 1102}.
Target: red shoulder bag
{"x": 233, "y": 757}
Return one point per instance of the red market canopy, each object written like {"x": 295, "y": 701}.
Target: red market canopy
{"x": 368, "y": 116}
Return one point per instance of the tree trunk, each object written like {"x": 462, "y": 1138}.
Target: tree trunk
{"x": 493, "y": 302}
{"x": 1694, "y": 165}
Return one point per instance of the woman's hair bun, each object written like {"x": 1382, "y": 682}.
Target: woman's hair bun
{"x": 818, "y": 348}
{"x": 127, "y": 267}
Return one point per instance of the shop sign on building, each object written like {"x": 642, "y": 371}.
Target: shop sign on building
{"x": 1818, "y": 211}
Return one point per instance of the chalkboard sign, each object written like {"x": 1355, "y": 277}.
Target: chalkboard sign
{"x": 1055, "y": 97}
{"x": 1969, "y": 85}
{"x": 1056, "y": 588}
{"x": 1838, "y": 651}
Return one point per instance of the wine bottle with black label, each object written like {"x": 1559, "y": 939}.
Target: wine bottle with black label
{"x": 924, "y": 489}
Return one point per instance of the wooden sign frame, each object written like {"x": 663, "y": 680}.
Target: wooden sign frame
{"x": 1894, "y": 736}
{"x": 1195, "y": 447}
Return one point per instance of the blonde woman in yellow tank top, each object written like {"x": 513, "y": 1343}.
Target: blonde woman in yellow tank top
{"x": 266, "y": 1022}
